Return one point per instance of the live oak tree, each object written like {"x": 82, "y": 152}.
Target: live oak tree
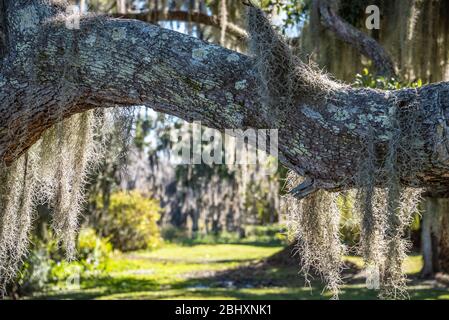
{"x": 57, "y": 84}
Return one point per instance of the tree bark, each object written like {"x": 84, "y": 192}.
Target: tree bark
{"x": 51, "y": 72}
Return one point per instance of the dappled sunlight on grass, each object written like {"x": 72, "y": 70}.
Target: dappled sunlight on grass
{"x": 210, "y": 253}
{"x": 412, "y": 265}
{"x": 221, "y": 271}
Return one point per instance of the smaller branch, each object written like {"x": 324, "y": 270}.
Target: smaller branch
{"x": 184, "y": 16}
{"x": 304, "y": 189}
{"x": 367, "y": 46}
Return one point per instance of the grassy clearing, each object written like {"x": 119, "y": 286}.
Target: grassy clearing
{"x": 220, "y": 271}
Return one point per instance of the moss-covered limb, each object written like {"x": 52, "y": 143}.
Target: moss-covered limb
{"x": 113, "y": 62}
{"x": 361, "y": 41}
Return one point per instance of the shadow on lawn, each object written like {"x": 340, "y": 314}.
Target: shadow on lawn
{"x": 270, "y": 279}
{"x": 96, "y": 287}
{"x": 275, "y": 278}
{"x": 192, "y": 243}
{"x": 209, "y": 287}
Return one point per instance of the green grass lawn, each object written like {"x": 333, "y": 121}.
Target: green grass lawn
{"x": 220, "y": 271}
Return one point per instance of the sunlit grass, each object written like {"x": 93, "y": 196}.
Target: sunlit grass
{"x": 210, "y": 253}
{"x": 412, "y": 265}
{"x": 203, "y": 272}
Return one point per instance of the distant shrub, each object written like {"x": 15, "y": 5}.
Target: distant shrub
{"x": 34, "y": 273}
{"x": 349, "y": 224}
{"x": 46, "y": 263}
{"x": 270, "y": 235}
{"x": 93, "y": 251}
{"x": 216, "y": 238}
{"x": 369, "y": 80}
{"x": 172, "y": 233}
{"x": 131, "y": 221}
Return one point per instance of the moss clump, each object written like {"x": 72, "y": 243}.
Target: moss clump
{"x": 385, "y": 207}
{"x": 52, "y": 172}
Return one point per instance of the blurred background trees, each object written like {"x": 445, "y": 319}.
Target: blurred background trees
{"x": 138, "y": 196}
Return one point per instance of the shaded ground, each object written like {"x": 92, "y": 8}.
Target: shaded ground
{"x": 224, "y": 271}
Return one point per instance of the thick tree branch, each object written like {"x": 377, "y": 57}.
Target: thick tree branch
{"x": 113, "y": 62}
{"x": 367, "y": 46}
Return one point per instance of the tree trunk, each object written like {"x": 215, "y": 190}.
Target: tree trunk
{"x": 195, "y": 215}
{"x": 51, "y": 71}
{"x": 121, "y": 7}
{"x": 435, "y": 237}
{"x": 431, "y": 208}
{"x": 442, "y": 239}
{"x": 84, "y": 5}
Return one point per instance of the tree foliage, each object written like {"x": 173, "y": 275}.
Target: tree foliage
{"x": 131, "y": 221}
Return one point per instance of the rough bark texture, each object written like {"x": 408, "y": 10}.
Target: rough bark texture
{"x": 51, "y": 72}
